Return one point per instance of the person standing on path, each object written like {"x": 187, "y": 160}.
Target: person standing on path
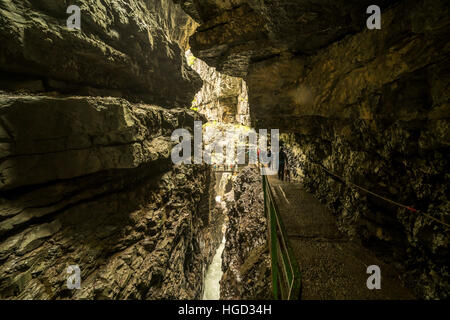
{"x": 281, "y": 163}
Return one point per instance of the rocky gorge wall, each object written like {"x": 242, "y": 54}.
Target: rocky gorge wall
{"x": 369, "y": 105}
{"x": 245, "y": 259}
{"x": 86, "y": 176}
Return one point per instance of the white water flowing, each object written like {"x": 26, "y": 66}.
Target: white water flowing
{"x": 213, "y": 275}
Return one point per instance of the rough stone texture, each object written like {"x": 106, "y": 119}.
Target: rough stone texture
{"x": 46, "y": 139}
{"x": 222, "y": 98}
{"x": 93, "y": 185}
{"x": 125, "y": 48}
{"x": 246, "y": 261}
{"x": 235, "y": 33}
{"x": 396, "y": 73}
{"x": 369, "y": 105}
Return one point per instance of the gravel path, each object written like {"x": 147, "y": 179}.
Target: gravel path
{"x": 332, "y": 267}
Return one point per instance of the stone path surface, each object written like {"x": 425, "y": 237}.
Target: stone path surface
{"x": 332, "y": 267}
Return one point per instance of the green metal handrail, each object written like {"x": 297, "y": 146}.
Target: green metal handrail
{"x": 286, "y": 277}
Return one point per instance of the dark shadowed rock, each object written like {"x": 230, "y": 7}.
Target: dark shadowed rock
{"x": 246, "y": 261}
{"x": 86, "y": 176}
{"x": 122, "y": 49}
{"x": 89, "y": 181}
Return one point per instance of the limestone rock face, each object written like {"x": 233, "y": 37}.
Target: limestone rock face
{"x": 126, "y": 48}
{"x": 370, "y": 105}
{"x": 86, "y": 176}
{"x": 89, "y": 181}
{"x": 245, "y": 259}
{"x": 235, "y": 33}
{"x": 46, "y": 139}
{"x": 393, "y": 73}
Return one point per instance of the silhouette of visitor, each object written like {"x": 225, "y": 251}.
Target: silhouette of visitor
{"x": 281, "y": 163}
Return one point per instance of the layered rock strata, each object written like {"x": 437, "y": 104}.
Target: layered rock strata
{"x": 128, "y": 49}
{"x": 371, "y": 106}
{"x": 86, "y": 176}
{"x": 222, "y": 98}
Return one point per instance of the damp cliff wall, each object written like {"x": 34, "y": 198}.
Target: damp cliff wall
{"x": 245, "y": 259}
{"x": 86, "y": 176}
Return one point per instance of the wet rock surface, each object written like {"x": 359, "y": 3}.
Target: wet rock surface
{"x": 100, "y": 192}
{"x": 246, "y": 261}
{"x": 47, "y": 139}
{"x": 86, "y": 117}
{"x": 414, "y": 243}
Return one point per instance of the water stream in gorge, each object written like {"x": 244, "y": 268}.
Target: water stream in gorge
{"x": 213, "y": 275}
{"x": 214, "y": 272}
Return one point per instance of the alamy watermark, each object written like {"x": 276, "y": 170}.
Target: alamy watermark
{"x": 241, "y": 147}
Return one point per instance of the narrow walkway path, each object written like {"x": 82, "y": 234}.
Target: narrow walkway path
{"x": 332, "y": 267}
